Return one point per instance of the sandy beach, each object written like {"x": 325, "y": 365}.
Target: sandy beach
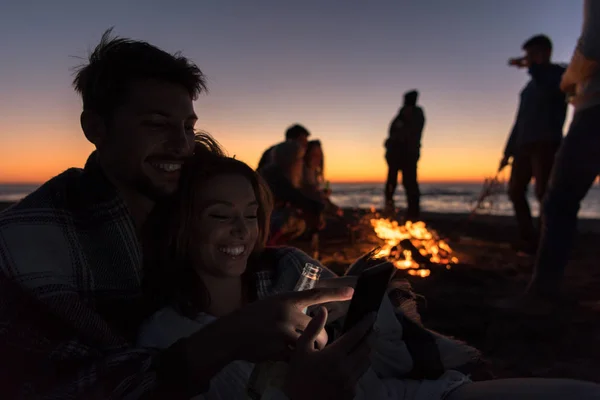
{"x": 458, "y": 302}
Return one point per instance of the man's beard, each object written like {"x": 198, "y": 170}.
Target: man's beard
{"x": 149, "y": 189}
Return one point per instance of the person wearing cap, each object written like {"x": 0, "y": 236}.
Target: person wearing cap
{"x": 536, "y": 134}
{"x": 403, "y": 149}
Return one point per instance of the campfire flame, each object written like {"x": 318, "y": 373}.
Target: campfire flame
{"x": 399, "y": 239}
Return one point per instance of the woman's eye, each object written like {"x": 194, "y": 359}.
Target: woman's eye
{"x": 253, "y": 216}
{"x": 218, "y": 216}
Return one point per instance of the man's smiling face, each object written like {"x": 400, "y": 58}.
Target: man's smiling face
{"x": 148, "y": 137}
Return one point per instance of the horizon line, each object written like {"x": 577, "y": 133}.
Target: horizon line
{"x": 338, "y": 181}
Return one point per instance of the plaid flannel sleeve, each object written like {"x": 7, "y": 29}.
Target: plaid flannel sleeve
{"x": 43, "y": 356}
{"x": 53, "y": 344}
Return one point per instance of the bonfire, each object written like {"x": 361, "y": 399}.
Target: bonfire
{"x": 412, "y": 246}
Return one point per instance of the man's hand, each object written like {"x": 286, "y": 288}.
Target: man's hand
{"x": 503, "y": 163}
{"x": 520, "y": 62}
{"x": 567, "y": 85}
{"x": 331, "y": 373}
{"x": 268, "y": 328}
{"x": 335, "y": 309}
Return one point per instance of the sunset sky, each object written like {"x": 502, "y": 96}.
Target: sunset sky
{"x": 338, "y": 67}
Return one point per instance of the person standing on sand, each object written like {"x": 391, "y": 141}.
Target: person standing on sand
{"x": 296, "y": 133}
{"x": 71, "y": 259}
{"x": 403, "y": 149}
{"x": 536, "y": 134}
{"x": 577, "y": 163}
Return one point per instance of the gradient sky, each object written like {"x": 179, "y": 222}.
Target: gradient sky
{"x": 338, "y": 67}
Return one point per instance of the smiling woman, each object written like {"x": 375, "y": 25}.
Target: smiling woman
{"x": 201, "y": 239}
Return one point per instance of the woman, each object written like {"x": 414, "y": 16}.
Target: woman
{"x": 206, "y": 259}
{"x": 313, "y": 178}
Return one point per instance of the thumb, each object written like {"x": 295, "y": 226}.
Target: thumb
{"x": 310, "y": 297}
{"x": 306, "y": 341}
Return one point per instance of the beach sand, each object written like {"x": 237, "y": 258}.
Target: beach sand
{"x": 457, "y": 302}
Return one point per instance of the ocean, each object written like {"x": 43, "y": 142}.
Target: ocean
{"x": 435, "y": 197}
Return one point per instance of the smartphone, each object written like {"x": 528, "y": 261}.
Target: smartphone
{"x": 370, "y": 288}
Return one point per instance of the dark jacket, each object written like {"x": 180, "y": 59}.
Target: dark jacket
{"x": 542, "y": 109}
{"x": 265, "y": 159}
{"x": 285, "y": 193}
{"x": 404, "y": 141}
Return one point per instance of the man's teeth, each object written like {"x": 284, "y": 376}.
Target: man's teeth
{"x": 232, "y": 250}
{"x": 167, "y": 167}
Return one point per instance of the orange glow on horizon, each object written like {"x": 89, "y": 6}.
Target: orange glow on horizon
{"x": 349, "y": 163}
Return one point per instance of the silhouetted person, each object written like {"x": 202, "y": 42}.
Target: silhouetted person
{"x": 536, "y": 134}
{"x": 293, "y": 212}
{"x": 297, "y": 133}
{"x": 578, "y": 161}
{"x": 313, "y": 178}
{"x": 403, "y": 149}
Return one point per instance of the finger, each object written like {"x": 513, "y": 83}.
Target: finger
{"x": 306, "y": 341}
{"x": 307, "y": 298}
{"x": 336, "y": 310}
{"x": 350, "y": 340}
{"x": 337, "y": 282}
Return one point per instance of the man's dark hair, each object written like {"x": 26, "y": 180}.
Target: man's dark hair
{"x": 540, "y": 41}
{"x": 296, "y": 131}
{"x": 117, "y": 62}
{"x": 410, "y": 98}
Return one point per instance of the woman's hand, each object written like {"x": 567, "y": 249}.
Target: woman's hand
{"x": 335, "y": 309}
{"x": 269, "y": 328}
{"x": 331, "y": 373}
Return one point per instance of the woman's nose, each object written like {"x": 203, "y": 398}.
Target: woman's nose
{"x": 240, "y": 229}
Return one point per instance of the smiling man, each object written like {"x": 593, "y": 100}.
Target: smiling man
{"x": 71, "y": 268}
{"x": 70, "y": 258}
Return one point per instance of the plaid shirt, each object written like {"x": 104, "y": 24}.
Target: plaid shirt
{"x": 70, "y": 288}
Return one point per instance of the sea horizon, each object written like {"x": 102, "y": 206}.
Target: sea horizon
{"x": 442, "y": 197}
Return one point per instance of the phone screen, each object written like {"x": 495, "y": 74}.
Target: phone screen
{"x": 370, "y": 289}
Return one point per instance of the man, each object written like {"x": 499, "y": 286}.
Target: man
{"x": 296, "y": 133}
{"x": 577, "y": 163}
{"x": 70, "y": 258}
{"x": 403, "y": 149}
{"x": 536, "y": 134}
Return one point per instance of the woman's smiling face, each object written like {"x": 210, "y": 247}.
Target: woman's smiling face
{"x": 225, "y": 229}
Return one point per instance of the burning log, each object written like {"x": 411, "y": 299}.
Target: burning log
{"x": 412, "y": 245}
{"x": 419, "y": 258}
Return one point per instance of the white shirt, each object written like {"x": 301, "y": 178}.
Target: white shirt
{"x": 167, "y": 326}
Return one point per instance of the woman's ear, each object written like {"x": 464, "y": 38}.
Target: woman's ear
{"x": 93, "y": 127}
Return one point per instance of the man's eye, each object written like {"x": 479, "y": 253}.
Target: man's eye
{"x": 156, "y": 125}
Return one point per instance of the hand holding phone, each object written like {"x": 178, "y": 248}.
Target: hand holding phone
{"x": 369, "y": 291}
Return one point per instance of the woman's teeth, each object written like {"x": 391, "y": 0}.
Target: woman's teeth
{"x": 167, "y": 167}
{"x": 233, "y": 251}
